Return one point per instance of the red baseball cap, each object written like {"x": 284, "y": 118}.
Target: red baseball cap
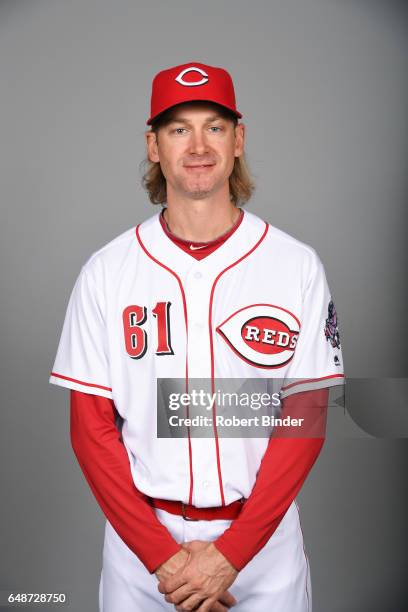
{"x": 192, "y": 81}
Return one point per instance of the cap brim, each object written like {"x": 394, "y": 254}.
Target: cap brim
{"x": 157, "y": 115}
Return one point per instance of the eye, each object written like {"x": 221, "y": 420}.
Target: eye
{"x": 179, "y": 130}
{"x": 214, "y": 127}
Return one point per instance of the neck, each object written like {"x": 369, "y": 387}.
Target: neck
{"x": 200, "y": 220}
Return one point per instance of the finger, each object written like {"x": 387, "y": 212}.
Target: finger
{"x": 218, "y": 607}
{"x": 172, "y": 583}
{"x": 179, "y": 595}
{"x": 227, "y": 599}
{"x": 208, "y": 605}
{"x": 191, "y": 603}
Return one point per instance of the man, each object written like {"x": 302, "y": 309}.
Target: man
{"x": 201, "y": 290}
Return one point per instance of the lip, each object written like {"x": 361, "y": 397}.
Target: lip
{"x": 199, "y": 167}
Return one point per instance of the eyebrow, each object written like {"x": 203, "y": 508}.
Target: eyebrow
{"x": 185, "y": 120}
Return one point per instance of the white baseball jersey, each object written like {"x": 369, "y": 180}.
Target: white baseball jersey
{"x": 141, "y": 309}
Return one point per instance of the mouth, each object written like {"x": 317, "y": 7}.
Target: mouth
{"x": 201, "y": 167}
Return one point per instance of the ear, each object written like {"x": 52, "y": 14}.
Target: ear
{"x": 239, "y": 139}
{"x": 151, "y": 146}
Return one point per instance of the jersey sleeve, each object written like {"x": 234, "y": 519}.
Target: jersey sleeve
{"x": 103, "y": 458}
{"x": 318, "y": 361}
{"x": 284, "y": 468}
{"x": 82, "y": 360}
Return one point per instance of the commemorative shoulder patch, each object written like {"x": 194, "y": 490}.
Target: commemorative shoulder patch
{"x": 331, "y": 328}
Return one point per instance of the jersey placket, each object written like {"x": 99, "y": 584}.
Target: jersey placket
{"x": 205, "y": 458}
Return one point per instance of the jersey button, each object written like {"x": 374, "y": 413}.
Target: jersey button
{"x": 206, "y": 484}
{"x": 198, "y": 275}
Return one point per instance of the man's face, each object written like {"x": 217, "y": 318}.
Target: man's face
{"x": 196, "y": 150}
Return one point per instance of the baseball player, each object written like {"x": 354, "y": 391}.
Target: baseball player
{"x": 203, "y": 289}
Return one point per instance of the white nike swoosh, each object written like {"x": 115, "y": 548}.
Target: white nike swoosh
{"x": 195, "y": 248}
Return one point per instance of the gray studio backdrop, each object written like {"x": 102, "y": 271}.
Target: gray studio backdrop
{"x": 323, "y": 89}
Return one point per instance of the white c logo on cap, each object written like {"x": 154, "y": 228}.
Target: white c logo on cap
{"x": 179, "y": 78}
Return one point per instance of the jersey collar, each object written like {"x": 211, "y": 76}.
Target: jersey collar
{"x": 160, "y": 247}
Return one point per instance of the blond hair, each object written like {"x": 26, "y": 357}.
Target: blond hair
{"x": 241, "y": 184}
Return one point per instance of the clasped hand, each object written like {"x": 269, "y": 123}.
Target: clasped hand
{"x": 197, "y": 578}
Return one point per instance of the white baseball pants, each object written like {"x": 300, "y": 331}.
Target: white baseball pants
{"x": 277, "y": 578}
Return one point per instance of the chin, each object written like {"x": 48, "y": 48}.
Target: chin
{"x": 198, "y": 195}
{"x": 197, "y": 189}
{"x": 199, "y": 186}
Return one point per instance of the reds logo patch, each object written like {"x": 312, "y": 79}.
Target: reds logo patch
{"x": 262, "y": 335}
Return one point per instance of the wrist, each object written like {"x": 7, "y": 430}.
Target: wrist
{"x": 221, "y": 562}
{"x": 232, "y": 555}
{"x": 173, "y": 563}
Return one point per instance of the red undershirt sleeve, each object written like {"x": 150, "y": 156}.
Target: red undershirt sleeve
{"x": 283, "y": 470}
{"x": 104, "y": 461}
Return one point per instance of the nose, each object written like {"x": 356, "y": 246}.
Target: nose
{"x": 198, "y": 143}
